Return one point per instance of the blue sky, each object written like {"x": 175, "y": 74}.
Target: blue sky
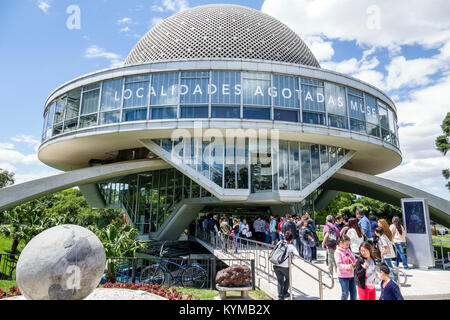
{"x": 401, "y": 47}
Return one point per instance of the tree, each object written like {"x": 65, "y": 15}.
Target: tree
{"x": 6, "y": 178}
{"x": 443, "y": 144}
{"x": 343, "y": 199}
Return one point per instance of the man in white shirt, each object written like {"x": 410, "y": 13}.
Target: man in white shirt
{"x": 282, "y": 269}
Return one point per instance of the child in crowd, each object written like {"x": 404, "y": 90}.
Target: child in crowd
{"x": 389, "y": 289}
{"x": 365, "y": 272}
{"x": 345, "y": 262}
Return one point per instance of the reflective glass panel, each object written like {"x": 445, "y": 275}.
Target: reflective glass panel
{"x": 59, "y": 110}
{"x": 257, "y": 113}
{"x": 335, "y": 99}
{"x": 324, "y": 161}
{"x": 135, "y": 94}
{"x": 305, "y": 157}
{"x": 382, "y": 111}
{"x": 164, "y": 90}
{"x": 355, "y": 104}
{"x": 134, "y": 114}
{"x": 315, "y": 163}
{"x": 109, "y": 117}
{"x": 111, "y": 94}
{"x": 225, "y": 88}
{"x": 314, "y": 118}
{"x": 164, "y": 113}
{"x": 256, "y": 89}
{"x": 73, "y": 104}
{"x": 338, "y": 121}
{"x": 285, "y": 115}
{"x": 225, "y": 112}
{"x": 357, "y": 125}
{"x": 194, "y": 88}
{"x": 294, "y": 166}
{"x": 285, "y": 91}
{"x": 194, "y": 112}
{"x": 88, "y": 121}
{"x": 371, "y": 109}
{"x": 283, "y": 166}
{"x": 90, "y": 102}
{"x": 313, "y": 97}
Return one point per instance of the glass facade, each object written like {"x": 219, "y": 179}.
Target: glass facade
{"x": 286, "y": 166}
{"x": 150, "y": 197}
{"x": 221, "y": 95}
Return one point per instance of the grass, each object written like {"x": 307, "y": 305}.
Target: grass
{"x": 207, "y": 294}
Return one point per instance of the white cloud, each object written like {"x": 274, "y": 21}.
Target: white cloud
{"x": 156, "y": 21}
{"x": 322, "y": 50}
{"x": 95, "y": 51}
{"x": 21, "y": 177}
{"x": 28, "y": 139}
{"x": 422, "y": 163}
{"x": 6, "y": 145}
{"x": 44, "y": 6}
{"x": 125, "y": 20}
{"x": 387, "y": 24}
{"x": 126, "y": 29}
{"x": 171, "y": 5}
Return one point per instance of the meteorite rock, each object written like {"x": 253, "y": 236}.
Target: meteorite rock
{"x": 234, "y": 276}
{"x": 65, "y": 262}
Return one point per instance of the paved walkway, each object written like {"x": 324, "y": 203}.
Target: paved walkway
{"x": 421, "y": 284}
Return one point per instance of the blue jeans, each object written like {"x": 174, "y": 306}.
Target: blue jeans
{"x": 401, "y": 254}
{"x": 306, "y": 251}
{"x": 348, "y": 286}
{"x": 388, "y": 261}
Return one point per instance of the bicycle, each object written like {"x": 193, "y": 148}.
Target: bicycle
{"x": 189, "y": 275}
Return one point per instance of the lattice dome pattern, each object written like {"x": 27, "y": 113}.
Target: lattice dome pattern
{"x": 222, "y": 31}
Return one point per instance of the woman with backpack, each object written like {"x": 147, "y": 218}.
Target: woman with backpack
{"x": 365, "y": 272}
{"x": 386, "y": 249}
{"x": 356, "y": 236}
{"x": 399, "y": 239}
{"x": 345, "y": 262}
{"x": 306, "y": 238}
{"x": 279, "y": 258}
{"x": 330, "y": 236}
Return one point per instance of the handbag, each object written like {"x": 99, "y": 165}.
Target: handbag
{"x": 249, "y": 234}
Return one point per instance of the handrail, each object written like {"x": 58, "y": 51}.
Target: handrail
{"x": 319, "y": 269}
{"x": 225, "y": 238}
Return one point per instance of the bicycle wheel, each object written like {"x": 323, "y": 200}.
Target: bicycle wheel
{"x": 194, "y": 277}
{"x": 153, "y": 275}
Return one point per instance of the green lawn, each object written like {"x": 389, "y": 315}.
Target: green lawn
{"x": 207, "y": 294}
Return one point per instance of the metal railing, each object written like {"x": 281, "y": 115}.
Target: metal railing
{"x": 8, "y": 264}
{"x": 130, "y": 269}
{"x": 260, "y": 251}
{"x": 436, "y": 252}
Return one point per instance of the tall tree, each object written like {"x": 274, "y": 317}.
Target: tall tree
{"x": 6, "y": 178}
{"x": 443, "y": 144}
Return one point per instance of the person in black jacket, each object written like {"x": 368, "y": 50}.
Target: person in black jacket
{"x": 290, "y": 225}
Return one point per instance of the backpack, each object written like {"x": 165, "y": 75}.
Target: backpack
{"x": 279, "y": 254}
{"x": 332, "y": 238}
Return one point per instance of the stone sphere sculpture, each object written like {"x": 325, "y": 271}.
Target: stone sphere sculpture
{"x": 65, "y": 262}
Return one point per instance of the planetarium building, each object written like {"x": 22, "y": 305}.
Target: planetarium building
{"x": 220, "y": 107}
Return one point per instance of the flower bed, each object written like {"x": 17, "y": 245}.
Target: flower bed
{"x": 163, "y": 291}
{"x": 13, "y": 291}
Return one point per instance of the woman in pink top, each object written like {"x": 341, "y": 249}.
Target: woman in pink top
{"x": 345, "y": 262}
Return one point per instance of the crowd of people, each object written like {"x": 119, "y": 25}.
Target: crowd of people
{"x": 359, "y": 250}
